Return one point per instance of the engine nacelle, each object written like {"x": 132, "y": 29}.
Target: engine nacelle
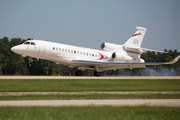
{"x": 137, "y": 60}
{"x": 121, "y": 57}
{"x": 110, "y": 47}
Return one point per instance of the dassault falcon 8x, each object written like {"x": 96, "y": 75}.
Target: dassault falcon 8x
{"x": 112, "y": 56}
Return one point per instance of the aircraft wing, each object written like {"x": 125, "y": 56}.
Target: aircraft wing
{"x": 139, "y": 48}
{"x": 123, "y": 63}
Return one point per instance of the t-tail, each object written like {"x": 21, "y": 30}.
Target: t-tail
{"x": 134, "y": 42}
{"x": 136, "y": 39}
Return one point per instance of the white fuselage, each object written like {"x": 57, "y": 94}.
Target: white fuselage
{"x": 64, "y": 54}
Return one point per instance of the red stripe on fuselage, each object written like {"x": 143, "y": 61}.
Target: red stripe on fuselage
{"x": 136, "y": 34}
{"x": 101, "y": 56}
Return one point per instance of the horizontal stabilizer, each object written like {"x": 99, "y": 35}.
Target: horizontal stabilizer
{"x": 139, "y": 48}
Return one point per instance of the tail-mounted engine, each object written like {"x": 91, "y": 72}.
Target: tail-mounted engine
{"x": 110, "y": 47}
{"x": 120, "y": 57}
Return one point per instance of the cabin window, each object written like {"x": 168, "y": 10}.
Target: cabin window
{"x": 77, "y": 52}
{"x": 56, "y": 48}
{"x": 59, "y": 49}
{"x": 74, "y": 51}
{"x": 62, "y": 49}
{"x": 89, "y": 54}
{"x": 99, "y": 56}
{"x": 33, "y": 43}
{"x": 93, "y": 55}
{"x": 68, "y": 50}
{"x": 65, "y": 50}
{"x": 53, "y": 48}
{"x": 71, "y": 51}
{"x": 81, "y": 53}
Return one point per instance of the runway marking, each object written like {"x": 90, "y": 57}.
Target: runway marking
{"x": 89, "y": 77}
{"x": 85, "y": 93}
{"x": 117, "y": 102}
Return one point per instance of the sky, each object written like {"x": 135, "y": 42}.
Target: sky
{"x": 88, "y": 23}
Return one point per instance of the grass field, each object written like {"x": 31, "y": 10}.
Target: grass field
{"x": 91, "y": 96}
{"x": 37, "y": 85}
{"x": 90, "y": 113}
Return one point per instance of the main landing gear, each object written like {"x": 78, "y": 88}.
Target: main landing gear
{"x": 97, "y": 74}
{"x": 78, "y": 73}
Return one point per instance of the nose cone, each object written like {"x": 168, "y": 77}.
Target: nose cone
{"x": 17, "y": 49}
{"x": 13, "y": 48}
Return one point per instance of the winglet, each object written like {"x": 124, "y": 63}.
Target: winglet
{"x": 173, "y": 61}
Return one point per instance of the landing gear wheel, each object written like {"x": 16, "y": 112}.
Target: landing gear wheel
{"x": 78, "y": 73}
{"x": 97, "y": 73}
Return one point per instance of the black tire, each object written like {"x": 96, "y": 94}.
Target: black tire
{"x": 97, "y": 74}
{"x": 78, "y": 73}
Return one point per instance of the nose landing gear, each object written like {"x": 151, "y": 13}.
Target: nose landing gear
{"x": 30, "y": 60}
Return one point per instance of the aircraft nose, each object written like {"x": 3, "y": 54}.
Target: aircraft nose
{"x": 17, "y": 49}
{"x": 14, "y": 49}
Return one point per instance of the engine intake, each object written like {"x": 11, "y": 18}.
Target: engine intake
{"x": 113, "y": 55}
{"x": 102, "y": 45}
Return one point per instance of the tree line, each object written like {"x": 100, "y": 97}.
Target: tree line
{"x": 14, "y": 64}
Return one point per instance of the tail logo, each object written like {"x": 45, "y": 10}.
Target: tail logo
{"x": 136, "y": 34}
{"x": 135, "y": 41}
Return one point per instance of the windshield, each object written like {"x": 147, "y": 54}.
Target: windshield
{"x": 29, "y": 43}
{"x": 33, "y": 43}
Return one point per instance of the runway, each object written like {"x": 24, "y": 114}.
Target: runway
{"x": 89, "y": 77}
{"x": 117, "y": 102}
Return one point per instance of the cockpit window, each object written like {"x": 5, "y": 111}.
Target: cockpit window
{"x": 33, "y": 43}
{"x": 27, "y": 43}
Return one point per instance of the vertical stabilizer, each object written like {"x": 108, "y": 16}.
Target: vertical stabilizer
{"x": 136, "y": 39}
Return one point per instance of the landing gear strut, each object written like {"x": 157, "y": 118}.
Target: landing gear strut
{"x": 97, "y": 73}
{"x": 78, "y": 73}
{"x": 30, "y": 60}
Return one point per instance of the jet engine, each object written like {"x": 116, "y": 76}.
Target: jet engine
{"x": 121, "y": 57}
{"x": 110, "y": 47}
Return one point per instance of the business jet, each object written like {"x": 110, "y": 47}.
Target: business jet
{"x": 111, "y": 57}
